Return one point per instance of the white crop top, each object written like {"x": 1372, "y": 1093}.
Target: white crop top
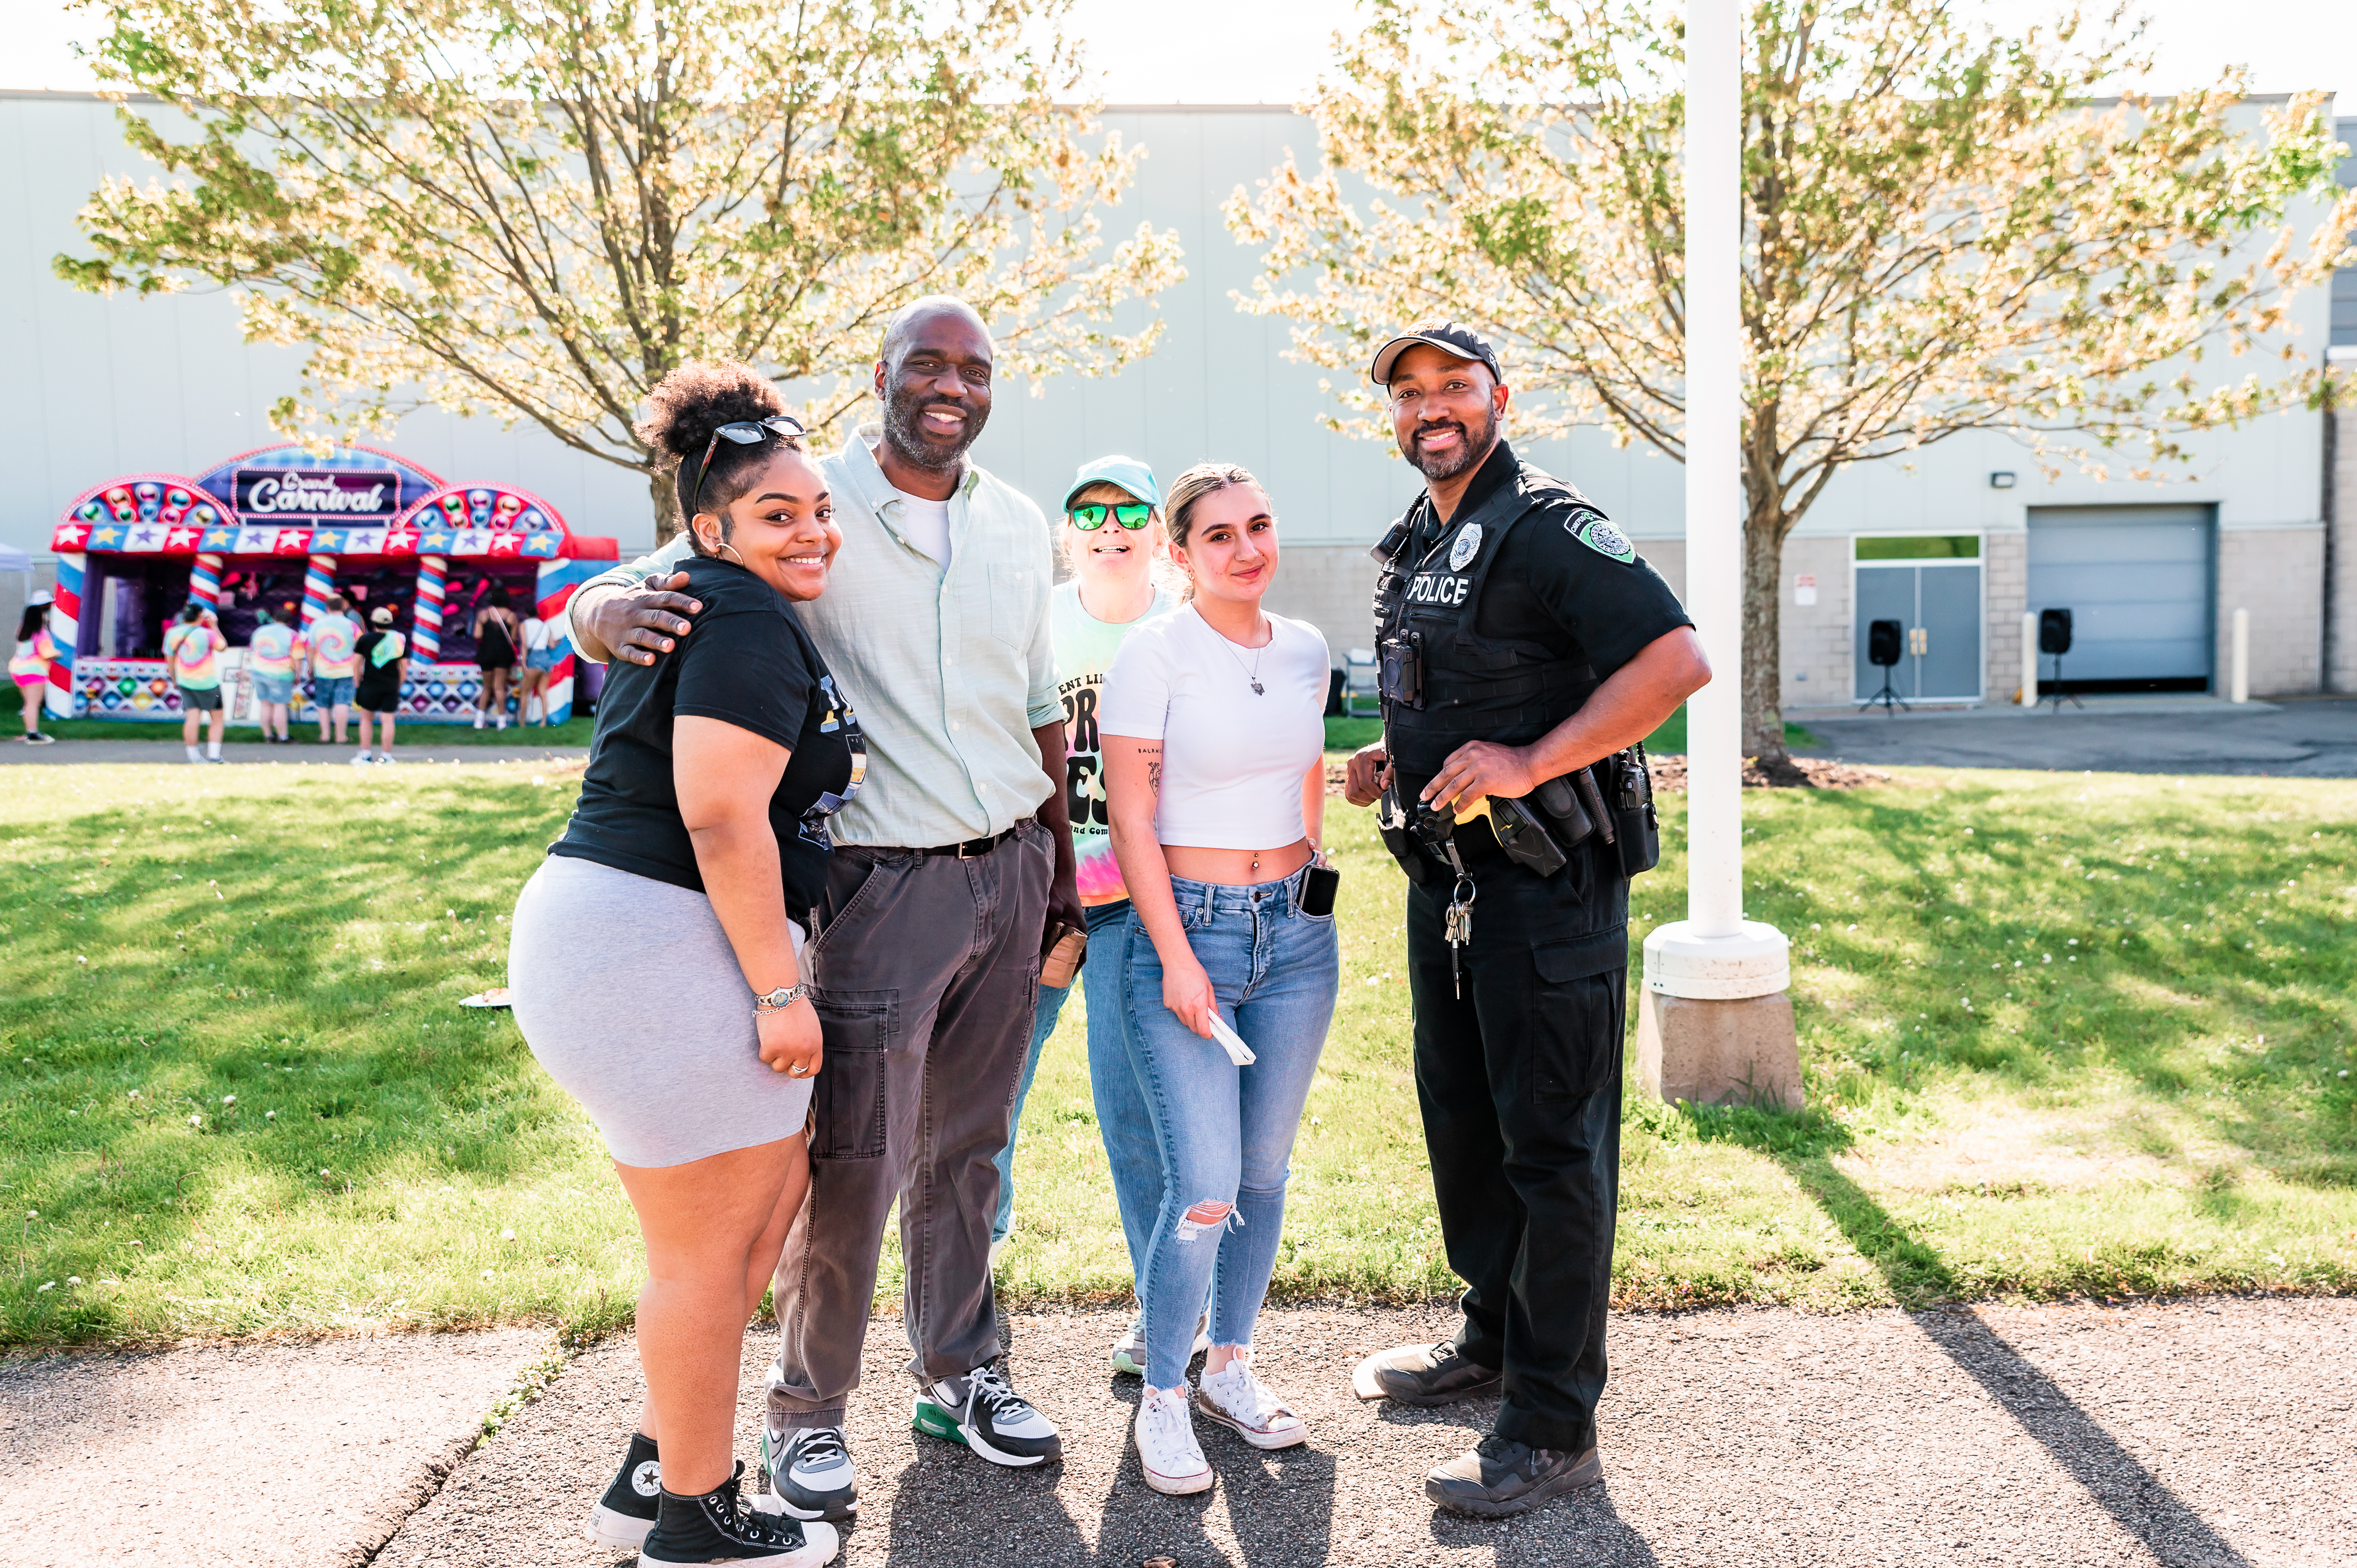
{"x": 1232, "y": 760}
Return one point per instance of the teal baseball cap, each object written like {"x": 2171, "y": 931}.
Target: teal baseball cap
{"x": 1131, "y": 474}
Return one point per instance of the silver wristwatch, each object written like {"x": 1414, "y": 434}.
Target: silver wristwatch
{"x": 778, "y": 1001}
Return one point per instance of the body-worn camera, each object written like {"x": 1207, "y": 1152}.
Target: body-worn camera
{"x": 1399, "y": 669}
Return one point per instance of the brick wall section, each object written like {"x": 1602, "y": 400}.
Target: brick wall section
{"x": 1814, "y": 646}
{"x": 1332, "y": 586}
{"x": 2005, "y": 593}
{"x": 1667, "y": 556}
{"x": 2344, "y": 553}
{"x": 2277, "y": 574}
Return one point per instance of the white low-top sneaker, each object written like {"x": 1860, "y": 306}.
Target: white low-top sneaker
{"x": 1167, "y": 1448}
{"x": 1236, "y": 1397}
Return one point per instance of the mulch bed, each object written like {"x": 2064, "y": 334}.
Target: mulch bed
{"x": 1795, "y": 773}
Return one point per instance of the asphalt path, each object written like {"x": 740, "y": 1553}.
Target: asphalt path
{"x": 2214, "y": 1434}
{"x": 2304, "y": 738}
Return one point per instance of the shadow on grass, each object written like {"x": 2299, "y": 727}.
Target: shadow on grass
{"x": 1804, "y": 1144}
{"x": 2183, "y": 946}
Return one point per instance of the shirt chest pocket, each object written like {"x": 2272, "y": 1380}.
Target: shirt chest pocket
{"x": 1012, "y": 612}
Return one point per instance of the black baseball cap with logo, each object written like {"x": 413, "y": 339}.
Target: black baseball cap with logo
{"x": 1448, "y": 337}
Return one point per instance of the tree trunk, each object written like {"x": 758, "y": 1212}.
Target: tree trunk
{"x": 662, "y": 488}
{"x": 1765, "y": 532}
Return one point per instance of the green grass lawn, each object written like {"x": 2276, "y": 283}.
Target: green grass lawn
{"x": 237, "y": 1097}
{"x": 571, "y": 731}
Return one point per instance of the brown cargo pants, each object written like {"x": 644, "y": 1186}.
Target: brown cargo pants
{"x": 925, "y": 972}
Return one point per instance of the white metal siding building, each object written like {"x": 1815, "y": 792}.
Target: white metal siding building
{"x": 98, "y": 387}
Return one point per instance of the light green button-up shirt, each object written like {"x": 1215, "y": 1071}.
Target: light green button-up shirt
{"x": 950, "y": 670}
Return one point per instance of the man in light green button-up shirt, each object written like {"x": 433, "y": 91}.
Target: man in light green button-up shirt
{"x": 924, "y": 954}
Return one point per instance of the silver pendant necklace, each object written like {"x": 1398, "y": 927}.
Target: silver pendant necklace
{"x": 1252, "y": 674}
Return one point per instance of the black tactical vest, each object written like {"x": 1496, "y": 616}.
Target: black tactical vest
{"x": 1506, "y": 690}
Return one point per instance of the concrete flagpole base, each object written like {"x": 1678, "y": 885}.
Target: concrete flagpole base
{"x": 1715, "y": 1025}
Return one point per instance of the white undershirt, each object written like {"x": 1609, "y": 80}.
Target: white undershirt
{"x": 925, "y": 524}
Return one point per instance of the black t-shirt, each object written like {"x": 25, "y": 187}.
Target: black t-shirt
{"x": 749, "y": 663}
{"x": 1562, "y": 579}
{"x": 380, "y": 684}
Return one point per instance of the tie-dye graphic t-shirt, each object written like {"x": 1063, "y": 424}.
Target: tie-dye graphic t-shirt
{"x": 189, "y": 650}
{"x": 1085, "y": 647}
{"x": 271, "y": 651}
{"x": 334, "y": 645}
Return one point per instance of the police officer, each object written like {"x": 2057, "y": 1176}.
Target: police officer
{"x": 1524, "y": 649}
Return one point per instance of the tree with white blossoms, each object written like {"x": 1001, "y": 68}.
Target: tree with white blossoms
{"x": 533, "y": 208}
{"x": 1943, "y": 231}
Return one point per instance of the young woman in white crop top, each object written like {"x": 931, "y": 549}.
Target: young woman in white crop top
{"x": 1214, "y": 734}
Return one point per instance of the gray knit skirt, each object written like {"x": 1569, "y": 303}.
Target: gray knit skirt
{"x": 628, "y": 993}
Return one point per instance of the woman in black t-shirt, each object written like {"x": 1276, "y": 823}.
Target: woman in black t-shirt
{"x": 655, "y": 964}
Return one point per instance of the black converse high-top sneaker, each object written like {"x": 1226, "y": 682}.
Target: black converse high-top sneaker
{"x": 719, "y": 1527}
{"x": 627, "y": 1512}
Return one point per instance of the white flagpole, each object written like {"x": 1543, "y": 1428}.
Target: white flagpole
{"x": 1715, "y": 1024}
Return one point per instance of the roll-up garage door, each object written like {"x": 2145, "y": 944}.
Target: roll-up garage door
{"x": 2136, "y": 581}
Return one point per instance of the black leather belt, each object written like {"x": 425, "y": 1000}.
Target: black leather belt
{"x": 972, "y": 847}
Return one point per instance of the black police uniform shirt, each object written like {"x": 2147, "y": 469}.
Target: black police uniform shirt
{"x": 749, "y": 663}
{"x": 1563, "y": 578}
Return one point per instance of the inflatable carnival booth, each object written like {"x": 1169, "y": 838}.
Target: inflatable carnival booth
{"x": 281, "y": 529}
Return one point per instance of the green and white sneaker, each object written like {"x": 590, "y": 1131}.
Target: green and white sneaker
{"x": 809, "y": 1472}
{"x": 1129, "y": 1351}
{"x": 983, "y": 1412}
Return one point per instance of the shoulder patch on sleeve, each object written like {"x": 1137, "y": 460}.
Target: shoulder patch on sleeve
{"x": 1598, "y": 533}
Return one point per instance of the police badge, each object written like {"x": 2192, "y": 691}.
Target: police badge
{"x": 1467, "y": 545}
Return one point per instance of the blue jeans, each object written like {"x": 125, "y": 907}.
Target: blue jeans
{"x": 1121, "y": 1116}
{"x": 1225, "y": 1132}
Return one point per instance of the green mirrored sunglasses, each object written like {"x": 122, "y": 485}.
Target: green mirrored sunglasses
{"x": 1091, "y": 517}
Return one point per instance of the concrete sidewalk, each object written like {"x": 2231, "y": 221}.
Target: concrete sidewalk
{"x": 252, "y": 752}
{"x": 2306, "y": 738}
{"x": 2213, "y": 1433}
{"x": 263, "y": 1456}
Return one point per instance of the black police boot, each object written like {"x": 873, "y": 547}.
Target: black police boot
{"x": 1502, "y": 1476}
{"x": 1428, "y": 1375}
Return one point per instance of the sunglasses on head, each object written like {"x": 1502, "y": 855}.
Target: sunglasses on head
{"x": 1091, "y": 517}
{"x": 744, "y": 433}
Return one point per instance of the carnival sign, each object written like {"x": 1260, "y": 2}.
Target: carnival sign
{"x": 322, "y": 493}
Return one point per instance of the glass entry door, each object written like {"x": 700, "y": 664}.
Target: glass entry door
{"x": 1936, "y": 600}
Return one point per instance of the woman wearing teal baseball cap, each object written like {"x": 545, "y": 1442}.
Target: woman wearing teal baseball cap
{"x": 1114, "y": 540}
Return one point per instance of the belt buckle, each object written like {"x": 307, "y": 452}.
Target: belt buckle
{"x": 965, "y": 850}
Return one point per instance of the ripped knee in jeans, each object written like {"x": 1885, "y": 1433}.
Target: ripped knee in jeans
{"x": 1209, "y": 1215}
